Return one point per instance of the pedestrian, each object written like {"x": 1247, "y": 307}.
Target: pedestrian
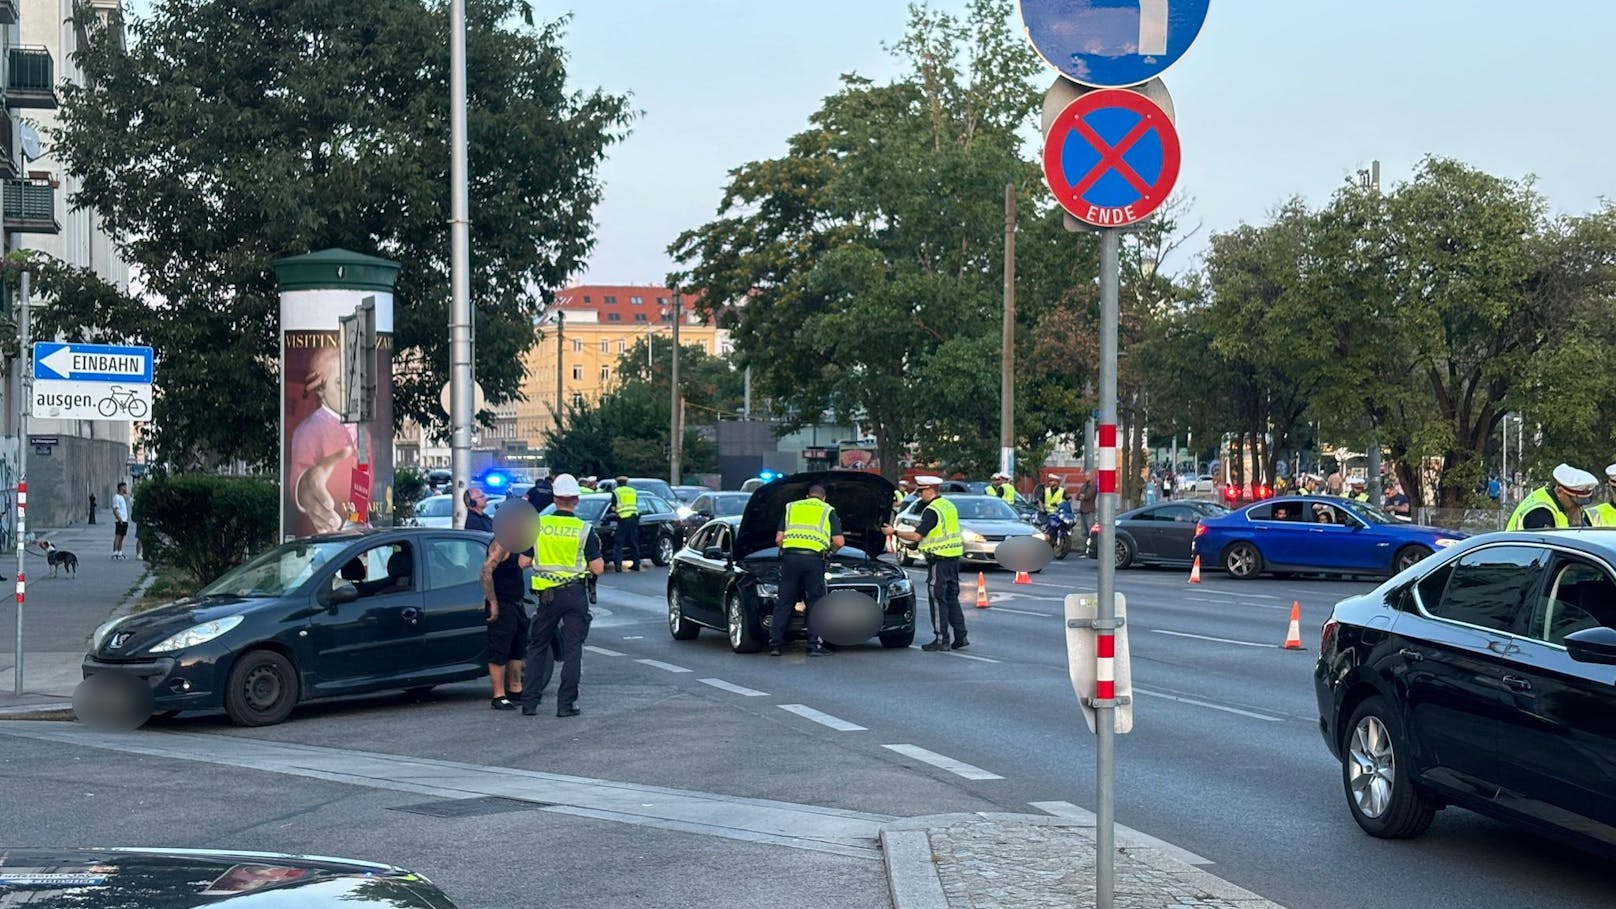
{"x": 1332, "y": 484}
{"x": 1494, "y": 488}
{"x": 809, "y": 531}
{"x": 566, "y": 554}
{"x": 92, "y": 508}
{"x": 1087, "y": 495}
{"x": 1604, "y": 514}
{"x": 626, "y": 505}
{"x": 1150, "y": 491}
{"x": 942, "y": 544}
{"x": 502, "y": 604}
{"x": 539, "y": 495}
{"x": 1558, "y": 504}
{"x": 1168, "y": 486}
{"x": 120, "y": 520}
{"x": 1002, "y": 489}
{"x": 1397, "y": 503}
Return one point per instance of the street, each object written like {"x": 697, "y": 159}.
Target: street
{"x": 767, "y": 774}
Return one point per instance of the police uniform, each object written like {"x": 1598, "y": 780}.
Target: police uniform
{"x": 1003, "y": 489}
{"x": 1053, "y": 497}
{"x": 627, "y": 503}
{"x": 943, "y": 545}
{"x": 1542, "y": 509}
{"x": 1604, "y": 514}
{"x": 562, "y": 551}
{"x": 807, "y": 531}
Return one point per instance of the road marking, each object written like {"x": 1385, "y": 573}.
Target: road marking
{"x": 734, "y": 689}
{"x": 1193, "y": 702}
{"x": 1126, "y": 836}
{"x": 823, "y": 719}
{"x": 972, "y": 656}
{"x": 1242, "y": 596}
{"x": 661, "y": 665}
{"x": 1227, "y": 603}
{"x": 633, "y": 637}
{"x": 941, "y": 762}
{"x": 1202, "y": 637}
{"x": 601, "y": 650}
{"x": 1041, "y": 615}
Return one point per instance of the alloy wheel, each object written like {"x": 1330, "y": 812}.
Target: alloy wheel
{"x": 676, "y": 611}
{"x": 1241, "y": 561}
{"x": 1371, "y": 767}
{"x": 735, "y": 620}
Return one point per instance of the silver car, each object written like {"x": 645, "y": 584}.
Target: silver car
{"x": 985, "y": 522}
{"x": 438, "y": 511}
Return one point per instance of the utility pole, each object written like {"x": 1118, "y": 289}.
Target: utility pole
{"x": 561, "y": 339}
{"x": 1372, "y": 183}
{"x": 24, "y": 398}
{"x": 1007, "y": 361}
{"x": 460, "y": 378}
{"x": 675, "y": 430}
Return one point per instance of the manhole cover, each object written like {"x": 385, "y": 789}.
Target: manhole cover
{"x": 470, "y": 807}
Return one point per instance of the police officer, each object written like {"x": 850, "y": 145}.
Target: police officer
{"x": 626, "y": 503}
{"x": 940, "y": 541}
{"x": 1001, "y": 488}
{"x": 1054, "y": 494}
{"x": 1604, "y": 514}
{"x": 904, "y": 488}
{"x": 809, "y": 532}
{"x": 1355, "y": 489}
{"x": 566, "y": 554}
{"x": 1559, "y": 504}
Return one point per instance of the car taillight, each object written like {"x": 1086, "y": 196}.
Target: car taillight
{"x": 1263, "y": 492}
{"x": 1327, "y": 637}
{"x": 1094, "y": 531}
{"x": 1199, "y": 528}
{"x": 1231, "y": 493}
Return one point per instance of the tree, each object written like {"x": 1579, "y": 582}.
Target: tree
{"x": 225, "y": 135}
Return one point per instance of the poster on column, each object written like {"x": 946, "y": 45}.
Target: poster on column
{"x": 334, "y": 475}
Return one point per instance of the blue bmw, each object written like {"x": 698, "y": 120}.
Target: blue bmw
{"x": 1314, "y": 534}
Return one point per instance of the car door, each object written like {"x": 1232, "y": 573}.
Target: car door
{"x": 1276, "y": 532}
{"x": 1174, "y": 530}
{"x": 654, "y": 516}
{"x": 1456, "y": 649}
{"x": 379, "y": 634}
{"x": 1141, "y": 528}
{"x": 456, "y": 634}
{"x": 1365, "y": 547}
{"x": 1332, "y": 535}
{"x": 1557, "y": 750}
{"x": 699, "y": 575}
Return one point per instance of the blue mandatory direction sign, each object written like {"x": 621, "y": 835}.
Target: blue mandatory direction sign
{"x": 92, "y": 362}
{"x": 1112, "y": 43}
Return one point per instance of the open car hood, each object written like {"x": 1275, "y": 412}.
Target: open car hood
{"x": 863, "y": 500}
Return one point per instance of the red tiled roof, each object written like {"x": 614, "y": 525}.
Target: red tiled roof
{"x": 621, "y": 299}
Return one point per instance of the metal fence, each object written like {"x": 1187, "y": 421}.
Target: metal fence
{"x": 1469, "y": 520}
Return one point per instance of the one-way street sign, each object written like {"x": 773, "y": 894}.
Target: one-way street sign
{"x": 91, "y": 381}
{"x": 92, "y": 362}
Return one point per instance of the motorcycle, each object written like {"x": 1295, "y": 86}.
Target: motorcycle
{"x": 1057, "y": 528}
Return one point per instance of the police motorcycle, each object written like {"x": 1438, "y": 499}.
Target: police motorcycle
{"x": 1057, "y": 528}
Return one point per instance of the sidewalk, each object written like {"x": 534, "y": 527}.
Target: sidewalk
{"x": 967, "y": 861}
{"x": 59, "y": 614}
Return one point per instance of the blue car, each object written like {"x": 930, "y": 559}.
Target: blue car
{"x": 1314, "y": 534}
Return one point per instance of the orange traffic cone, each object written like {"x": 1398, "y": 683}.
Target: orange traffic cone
{"x": 1023, "y": 578}
{"x": 1293, "y": 637}
{"x": 982, "y": 591}
{"x": 1195, "y": 571}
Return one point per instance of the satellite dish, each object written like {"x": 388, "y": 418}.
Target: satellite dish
{"x": 30, "y": 142}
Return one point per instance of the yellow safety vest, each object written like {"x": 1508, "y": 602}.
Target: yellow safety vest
{"x": 1054, "y": 497}
{"x": 944, "y": 541}
{"x": 807, "y": 526}
{"x": 627, "y": 500}
{"x": 1601, "y": 515}
{"x": 1006, "y": 492}
{"x": 1359, "y": 497}
{"x": 1540, "y": 498}
{"x": 558, "y": 551}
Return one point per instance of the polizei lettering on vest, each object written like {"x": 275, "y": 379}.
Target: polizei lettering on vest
{"x": 115, "y": 364}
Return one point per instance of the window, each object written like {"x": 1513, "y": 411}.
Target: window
{"x": 378, "y": 571}
{"x": 609, "y": 301}
{"x": 614, "y": 317}
{"x": 667, "y": 316}
{"x": 636, "y": 301}
{"x": 1489, "y": 587}
{"x": 452, "y": 563}
{"x": 577, "y": 346}
{"x": 640, "y": 317}
{"x": 662, "y": 301}
{"x": 1182, "y": 514}
{"x": 1581, "y": 596}
{"x": 577, "y": 373}
{"x": 605, "y": 346}
{"x": 621, "y": 347}
{"x": 586, "y": 298}
{"x": 605, "y": 373}
{"x": 577, "y": 400}
{"x": 705, "y": 537}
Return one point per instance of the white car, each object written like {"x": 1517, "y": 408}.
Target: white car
{"x": 1205, "y": 484}
{"x": 438, "y": 511}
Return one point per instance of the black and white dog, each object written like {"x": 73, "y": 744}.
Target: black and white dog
{"x": 60, "y": 559}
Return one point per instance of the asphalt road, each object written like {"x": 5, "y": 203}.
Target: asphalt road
{"x": 1225, "y": 761}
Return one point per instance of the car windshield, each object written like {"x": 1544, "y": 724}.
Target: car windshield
{"x": 726, "y": 506}
{"x": 1370, "y": 514}
{"x": 277, "y": 572}
{"x": 983, "y": 509}
{"x": 590, "y": 508}
{"x": 435, "y": 507}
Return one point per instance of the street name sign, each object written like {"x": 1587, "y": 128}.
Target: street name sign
{"x": 1112, "y": 43}
{"x": 1111, "y": 158}
{"x": 92, "y": 381}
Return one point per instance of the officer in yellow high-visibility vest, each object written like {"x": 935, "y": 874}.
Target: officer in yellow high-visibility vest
{"x": 942, "y": 545}
{"x": 626, "y": 505}
{"x": 1604, "y": 514}
{"x": 809, "y": 532}
{"x": 1002, "y": 488}
{"x": 1558, "y": 505}
{"x": 1053, "y": 495}
{"x": 566, "y": 554}
{"x": 904, "y": 489}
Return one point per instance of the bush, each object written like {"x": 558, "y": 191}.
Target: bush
{"x": 205, "y": 525}
{"x": 409, "y": 487}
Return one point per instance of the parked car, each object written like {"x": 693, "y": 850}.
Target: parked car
{"x": 711, "y": 505}
{"x": 656, "y": 487}
{"x": 317, "y": 617}
{"x": 1480, "y": 679}
{"x": 109, "y": 878}
{"x": 985, "y": 522}
{"x": 728, "y": 577}
{"x": 1025, "y": 508}
{"x": 1193, "y": 485}
{"x": 1314, "y": 534}
{"x": 689, "y": 494}
{"x": 438, "y": 511}
{"x": 660, "y": 532}
{"x": 1160, "y": 534}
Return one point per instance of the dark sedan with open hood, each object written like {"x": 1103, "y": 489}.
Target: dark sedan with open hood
{"x": 726, "y": 578}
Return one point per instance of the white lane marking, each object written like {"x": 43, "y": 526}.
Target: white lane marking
{"x": 633, "y": 637}
{"x": 823, "y": 719}
{"x": 972, "y": 656}
{"x": 1202, "y": 637}
{"x": 1241, "y": 596}
{"x": 601, "y": 650}
{"x": 1210, "y": 706}
{"x": 1126, "y": 836}
{"x": 1227, "y": 603}
{"x": 661, "y": 665}
{"x": 1042, "y": 615}
{"x": 958, "y": 768}
{"x": 734, "y": 689}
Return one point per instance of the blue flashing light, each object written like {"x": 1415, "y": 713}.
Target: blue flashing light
{"x": 769, "y": 476}
{"x": 496, "y": 480}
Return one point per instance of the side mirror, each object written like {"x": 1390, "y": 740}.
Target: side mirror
{"x": 1593, "y": 645}
{"x": 347, "y": 593}
{"x": 715, "y": 553}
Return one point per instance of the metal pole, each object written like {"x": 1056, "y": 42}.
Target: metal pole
{"x": 1106, "y": 613}
{"x": 746, "y": 393}
{"x": 1007, "y": 362}
{"x": 675, "y": 431}
{"x": 1374, "y": 490}
{"x": 460, "y": 378}
{"x": 21, "y": 530}
{"x": 1503, "y": 470}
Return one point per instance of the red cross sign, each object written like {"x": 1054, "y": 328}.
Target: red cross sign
{"x": 1111, "y": 158}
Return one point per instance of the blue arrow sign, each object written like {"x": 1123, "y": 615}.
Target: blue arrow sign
{"x": 1112, "y": 43}
{"x": 92, "y": 363}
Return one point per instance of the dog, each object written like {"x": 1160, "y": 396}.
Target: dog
{"x": 60, "y": 559}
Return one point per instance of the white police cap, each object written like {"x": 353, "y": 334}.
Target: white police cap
{"x": 925, "y": 480}
{"x": 1574, "y": 479}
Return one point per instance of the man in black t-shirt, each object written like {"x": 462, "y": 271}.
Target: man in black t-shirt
{"x": 502, "y": 600}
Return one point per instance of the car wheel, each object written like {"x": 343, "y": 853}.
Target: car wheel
{"x": 1242, "y": 561}
{"x": 1124, "y": 552}
{"x": 680, "y": 627}
{"x": 896, "y": 639}
{"x": 663, "y": 554}
{"x": 262, "y": 689}
{"x": 1375, "y": 775}
{"x": 744, "y": 635}
{"x": 1407, "y": 556}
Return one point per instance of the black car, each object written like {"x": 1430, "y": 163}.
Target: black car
{"x": 1480, "y": 677}
{"x": 322, "y": 616}
{"x": 728, "y": 576}
{"x": 108, "y": 878}
{"x": 688, "y": 494}
{"x": 1160, "y": 534}
{"x": 660, "y": 532}
{"x": 711, "y": 505}
{"x": 659, "y": 488}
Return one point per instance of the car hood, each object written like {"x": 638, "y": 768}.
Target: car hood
{"x": 863, "y": 500}
{"x": 183, "y": 878}
{"x": 843, "y": 569}
{"x": 144, "y": 629}
{"x": 999, "y": 528}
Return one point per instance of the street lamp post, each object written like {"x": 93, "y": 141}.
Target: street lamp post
{"x": 675, "y": 430}
{"x": 460, "y": 377}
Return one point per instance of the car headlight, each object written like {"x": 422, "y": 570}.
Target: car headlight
{"x": 971, "y": 536}
{"x": 100, "y": 635}
{"x": 684, "y": 512}
{"x": 901, "y": 587}
{"x": 197, "y": 634}
{"x": 1445, "y": 542}
{"x": 768, "y": 591}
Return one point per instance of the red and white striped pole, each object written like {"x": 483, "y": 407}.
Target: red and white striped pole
{"x": 1105, "y": 638}
{"x": 1105, "y": 613}
{"x": 20, "y": 531}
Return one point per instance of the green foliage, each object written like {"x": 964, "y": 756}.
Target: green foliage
{"x": 409, "y": 487}
{"x": 226, "y": 135}
{"x": 203, "y": 525}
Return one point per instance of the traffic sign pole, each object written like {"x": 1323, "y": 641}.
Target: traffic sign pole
{"x": 20, "y": 526}
{"x": 1105, "y": 622}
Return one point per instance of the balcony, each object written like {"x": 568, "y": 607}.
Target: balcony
{"x": 8, "y": 12}
{"x": 8, "y": 146}
{"x": 30, "y": 207}
{"x": 30, "y": 78}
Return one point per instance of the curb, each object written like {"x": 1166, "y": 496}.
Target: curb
{"x": 912, "y": 879}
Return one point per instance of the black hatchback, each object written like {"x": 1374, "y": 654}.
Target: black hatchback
{"x": 317, "y": 617}
{"x": 1484, "y": 677}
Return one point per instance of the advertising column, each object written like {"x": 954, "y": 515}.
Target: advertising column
{"x": 336, "y": 468}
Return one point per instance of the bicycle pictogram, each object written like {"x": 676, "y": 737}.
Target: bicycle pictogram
{"x": 123, "y": 399}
